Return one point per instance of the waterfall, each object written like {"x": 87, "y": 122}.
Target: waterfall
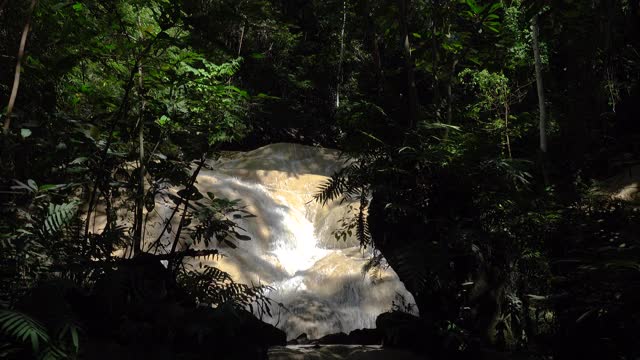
{"x": 318, "y": 280}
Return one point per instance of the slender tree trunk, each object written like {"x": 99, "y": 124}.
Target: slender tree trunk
{"x": 121, "y": 113}
{"x": 541, "y": 103}
{"x": 139, "y": 217}
{"x": 241, "y": 39}
{"x": 506, "y": 130}
{"x": 435, "y": 14}
{"x": 139, "y": 222}
{"x": 452, "y": 74}
{"x": 103, "y": 156}
{"x": 539, "y": 84}
{"x": 374, "y": 48}
{"x": 450, "y": 97}
{"x": 176, "y": 240}
{"x": 411, "y": 82}
{"x": 191, "y": 182}
{"x": 344, "y": 25}
{"x": 16, "y": 78}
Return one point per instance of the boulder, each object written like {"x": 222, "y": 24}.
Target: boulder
{"x": 365, "y": 337}
{"x": 399, "y": 329}
{"x": 234, "y": 333}
{"x": 337, "y": 339}
{"x": 356, "y": 337}
{"x": 302, "y": 339}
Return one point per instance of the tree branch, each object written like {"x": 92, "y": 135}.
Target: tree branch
{"x": 145, "y": 257}
{"x": 16, "y": 79}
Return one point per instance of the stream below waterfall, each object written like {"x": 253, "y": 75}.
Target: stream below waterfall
{"x": 339, "y": 352}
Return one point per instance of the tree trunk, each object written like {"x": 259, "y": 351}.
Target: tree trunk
{"x": 450, "y": 93}
{"x": 374, "y": 48}
{"x": 16, "y": 78}
{"x": 539, "y": 84}
{"x": 435, "y": 14}
{"x": 541, "y": 103}
{"x": 411, "y": 82}
{"x": 242, "y": 28}
{"x": 172, "y": 266}
{"x": 506, "y": 130}
{"x": 139, "y": 217}
{"x": 344, "y": 25}
{"x": 139, "y": 220}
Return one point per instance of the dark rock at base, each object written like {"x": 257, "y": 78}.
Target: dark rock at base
{"x": 356, "y": 337}
{"x": 259, "y": 331}
{"x": 399, "y": 329}
{"x": 124, "y": 322}
{"x": 302, "y": 339}
{"x": 338, "y": 339}
{"x": 365, "y": 337}
{"x": 237, "y": 333}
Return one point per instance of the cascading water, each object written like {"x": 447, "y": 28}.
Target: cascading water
{"x": 318, "y": 280}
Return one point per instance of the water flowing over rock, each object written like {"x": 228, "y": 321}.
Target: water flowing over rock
{"x": 318, "y": 280}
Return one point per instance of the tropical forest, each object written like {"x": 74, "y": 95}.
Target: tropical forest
{"x": 320, "y": 179}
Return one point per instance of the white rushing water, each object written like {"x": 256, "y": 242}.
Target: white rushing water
{"x": 318, "y": 280}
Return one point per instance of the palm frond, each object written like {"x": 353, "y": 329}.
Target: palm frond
{"x": 52, "y": 352}
{"x": 24, "y": 328}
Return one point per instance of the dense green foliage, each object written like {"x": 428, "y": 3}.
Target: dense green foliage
{"x": 482, "y": 201}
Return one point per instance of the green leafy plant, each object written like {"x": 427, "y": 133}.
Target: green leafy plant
{"x": 41, "y": 342}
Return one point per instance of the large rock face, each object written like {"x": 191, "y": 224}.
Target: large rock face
{"x": 318, "y": 280}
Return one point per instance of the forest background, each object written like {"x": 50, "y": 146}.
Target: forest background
{"x": 482, "y": 130}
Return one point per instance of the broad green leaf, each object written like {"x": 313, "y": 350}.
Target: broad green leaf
{"x": 474, "y": 6}
{"x": 50, "y": 187}
{"x": 32, "y": 184}
{"x": 495, "y": 7}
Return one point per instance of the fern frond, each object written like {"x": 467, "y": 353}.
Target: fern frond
{"x": 409, "y": 264}
{"x": 362, "y": 227}
{"x": 373, "y": 264}
{"x": 215, "y": 287}
{"x": 58, "y": 216}
{"x": 331, "y": 189}
{"x": 216, "y": 274}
